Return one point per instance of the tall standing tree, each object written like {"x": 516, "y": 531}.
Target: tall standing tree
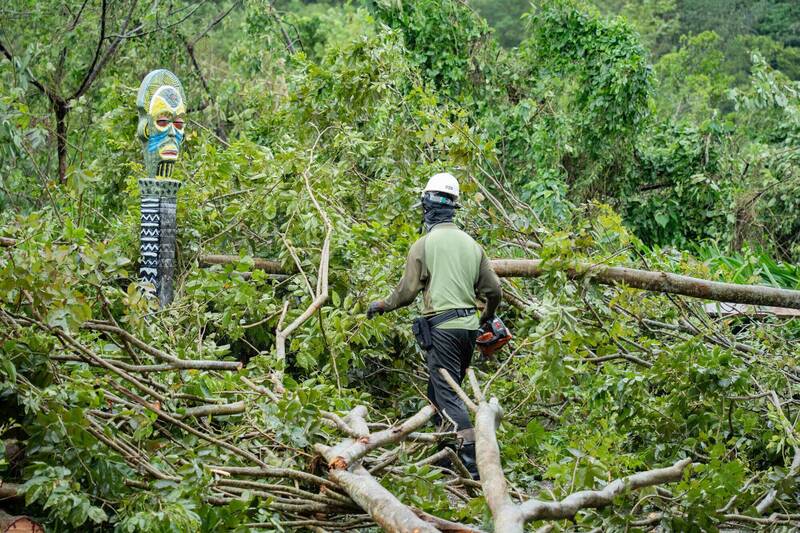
{"x": 60, "y": 47}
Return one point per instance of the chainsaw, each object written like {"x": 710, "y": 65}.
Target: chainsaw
{"x": 492, "y": 336}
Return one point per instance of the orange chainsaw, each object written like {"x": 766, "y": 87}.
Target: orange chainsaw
{"x": 492, "y": 336}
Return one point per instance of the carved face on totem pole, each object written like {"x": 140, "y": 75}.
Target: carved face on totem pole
{"x": 162, "y": 108}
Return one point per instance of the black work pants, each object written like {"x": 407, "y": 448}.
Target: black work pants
{"x": 452, "y": 350}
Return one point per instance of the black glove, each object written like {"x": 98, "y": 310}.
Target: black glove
{"x": 486, "y": 323}
{"x": 376, "y": 308}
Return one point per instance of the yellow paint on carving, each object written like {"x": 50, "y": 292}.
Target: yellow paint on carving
{"x": 160, "y": 107}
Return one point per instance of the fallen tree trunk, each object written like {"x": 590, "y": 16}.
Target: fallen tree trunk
{"x": 18, "y": 524}
{"x": 658, "y": 282}
{"x": 270, "y": 267}
{"x": 655, "y": 281}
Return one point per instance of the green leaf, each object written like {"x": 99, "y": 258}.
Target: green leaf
{"x": 9, "y": 369}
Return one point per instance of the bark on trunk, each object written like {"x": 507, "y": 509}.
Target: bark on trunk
{"x": 9, "y": 490}
{"x": 345, "y": 469}
{"x": 445, "y": 526}
{"x": 60, "y": 109}
{"x": 387, "y": 511}
{"x": 270, "y": 267}
{"x": 18, "y": 524}
{"x": 234, "y": 408}
{"x": 507, "y": 517}
{"x": 586, "y": 499}
{"x": 659, "y": 282}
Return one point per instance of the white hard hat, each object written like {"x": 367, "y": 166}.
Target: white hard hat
{"x": 443, "y": 182}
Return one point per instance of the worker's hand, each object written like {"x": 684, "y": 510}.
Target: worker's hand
{"x": 485, "y": 322}
{"x": 376, "y": 308}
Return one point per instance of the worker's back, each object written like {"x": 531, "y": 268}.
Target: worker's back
{"x": 453, "y": 262}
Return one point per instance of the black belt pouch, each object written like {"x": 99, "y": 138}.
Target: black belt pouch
{"x": 422, "y": 332}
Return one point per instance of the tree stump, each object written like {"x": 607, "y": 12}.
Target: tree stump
{"x": 18, "y": 524}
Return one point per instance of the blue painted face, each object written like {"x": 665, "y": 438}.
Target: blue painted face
{"x": 155, "y": 142}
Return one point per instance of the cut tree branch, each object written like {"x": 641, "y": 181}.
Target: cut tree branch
{"x": 234, "y": 408}
{"x": 171, "y": 359}
{"x": 764, "y": 505}
{"x": 351, "y": 450}
{"x": 284, "y": 473}
{"x": 586, "y": 499}
{"x": 510, "y": 517}
{"x": 384, "y": 508}
{"x": 346, "y": 470}
{"x": 322, "y": 277}
{"x": 9, "y": 524}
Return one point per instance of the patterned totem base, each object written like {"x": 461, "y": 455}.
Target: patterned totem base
{"x": 158, "y": 235}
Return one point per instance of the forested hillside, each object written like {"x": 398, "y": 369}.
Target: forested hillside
{"x": 661, "y": 135}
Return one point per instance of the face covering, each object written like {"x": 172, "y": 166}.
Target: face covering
{"x": 437, "y": 209}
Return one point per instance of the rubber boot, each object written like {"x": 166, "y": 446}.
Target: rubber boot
{"x": 467, "y": 456}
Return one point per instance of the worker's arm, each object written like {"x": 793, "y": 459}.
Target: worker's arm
{"x": 413, "y": 280}
{"x": 488, "y": 288}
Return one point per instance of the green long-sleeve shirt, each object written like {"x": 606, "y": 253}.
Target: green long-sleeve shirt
{"x": 452, "y": 271}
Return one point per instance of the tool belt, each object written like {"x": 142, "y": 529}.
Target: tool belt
{"x": 422, "y": 326}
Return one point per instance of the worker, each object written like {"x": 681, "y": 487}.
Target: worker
{"x": 452, "y": 271}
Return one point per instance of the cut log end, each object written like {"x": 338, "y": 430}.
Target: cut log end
{"x": 18, "y": 524}
{"x": 338, "y": 463}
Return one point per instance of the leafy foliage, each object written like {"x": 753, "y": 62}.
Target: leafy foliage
{"x": 570, "y": 148}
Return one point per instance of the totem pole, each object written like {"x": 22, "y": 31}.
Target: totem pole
{"x": 162, "y": 106}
